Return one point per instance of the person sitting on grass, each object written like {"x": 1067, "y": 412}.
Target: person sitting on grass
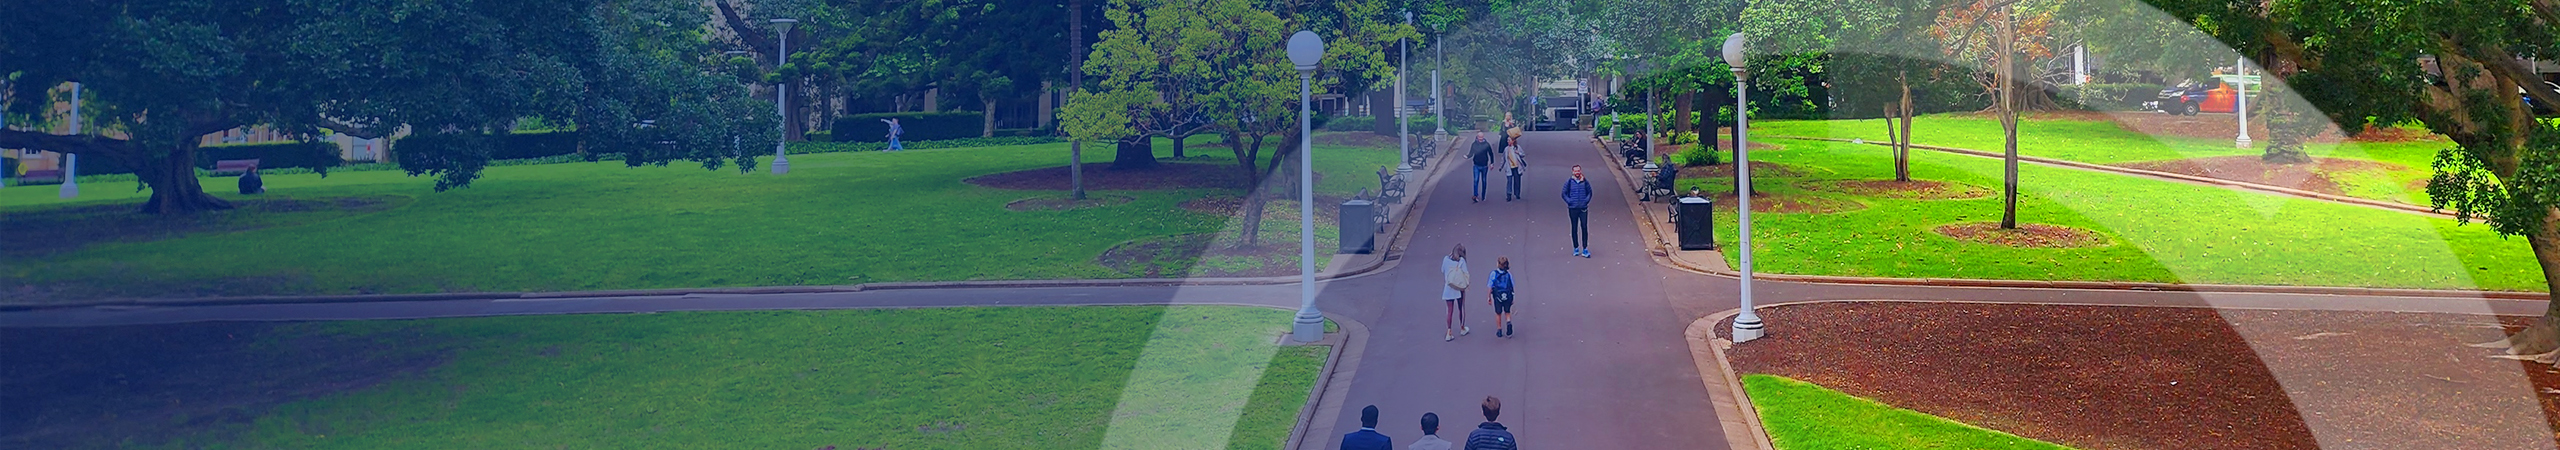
{"x": 250, "y": 183}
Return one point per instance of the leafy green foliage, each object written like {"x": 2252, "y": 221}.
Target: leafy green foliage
{"x": 316, "y": 156}
{"x": 919, "y": 126}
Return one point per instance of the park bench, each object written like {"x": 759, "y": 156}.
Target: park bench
{"x": 40, "y": 177}
{"x": 230, "y": 167}
{"x": 1390, "y": 186}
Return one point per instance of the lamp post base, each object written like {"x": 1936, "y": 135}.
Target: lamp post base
{"x": 70, "y": 188}
{"x": 781, "y": 165}
{"x": 2243, "y": 143}
{"x": 1746, "y": 331}
{"x": 1309, "y": 327}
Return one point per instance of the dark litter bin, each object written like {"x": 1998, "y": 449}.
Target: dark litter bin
{"x": 1697, "y": 223}
{"x": 1358, "y": 227}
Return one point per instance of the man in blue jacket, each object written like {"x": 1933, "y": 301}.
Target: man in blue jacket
{"x": 1577, "y": 204}
{"x": 1368, "y": 437}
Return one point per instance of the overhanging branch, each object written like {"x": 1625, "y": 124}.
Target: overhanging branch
{"x": 71, "y": 144}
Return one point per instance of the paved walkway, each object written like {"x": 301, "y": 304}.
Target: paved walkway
{"x": 1600, "y": 362}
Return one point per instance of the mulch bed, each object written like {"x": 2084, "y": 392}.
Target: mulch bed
{"x": 1909, "y": 190}
{"x": 2314, "y": 176}
{"x": 1758, "y": 169}
{"x": 1763, "y": 202}
{"x": 1099, "y": 176}
{"x": 1063, "y": 203}
{"x": 2027, "y": 235}
{"x": 2106, "y": 378}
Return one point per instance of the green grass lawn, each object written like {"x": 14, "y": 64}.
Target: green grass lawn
{"x": 2103, "y": 142}
{"x": 1804, "y": 416}
{"x": 960, "y": 378}
{"x": 838, "y": 218}
{"x": 2156, "y": 231}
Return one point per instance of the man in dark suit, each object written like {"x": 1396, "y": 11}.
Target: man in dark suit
{"x": 1368, "y": 438}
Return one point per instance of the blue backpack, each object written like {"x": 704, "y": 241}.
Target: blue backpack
{"x": 1502, "y": 282}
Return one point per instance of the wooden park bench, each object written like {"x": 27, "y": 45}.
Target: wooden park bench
{"x": 1390, "y": 186}
{"x": 232, "y": 167}
{"x": 40, "y": 177}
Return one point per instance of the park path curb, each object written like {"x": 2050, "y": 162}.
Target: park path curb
{"x": 1333, "y": 385}
{"x": 1711, "y": 262}
{"x": 1734, "y": 411}
{"x": 2171, "y": 176}
{"x": 1382, "y": 259}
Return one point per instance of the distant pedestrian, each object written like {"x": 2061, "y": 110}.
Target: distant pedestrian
{"x": 1491, "y": 435}
{"x": 251, "y": 183}
{"x": 1500, "y": 285}
{"x": 894, "y": 132}
{"x": 1482, "y": 155}
{"x": 1514, "y": 165}
{"x": 1430, "y": 435}
{"x": 1453, "y": 291}
{"x": 1577, "y": 204}
{"x": 1368, "y": 437}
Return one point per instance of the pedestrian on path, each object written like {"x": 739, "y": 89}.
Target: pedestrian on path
{"x": 1490, "y": 435}
{"x": 1499, "y": 283}
{"x": 1514, "y": 164}
{"x": 1577, "y": 204}
{"x": 1453, "y": 291}
{"x": 1430, "y": 435}
{"x": 1368, "y": 437}
{"x": 894, "y": 132}
{"x": 1482, "y": 155}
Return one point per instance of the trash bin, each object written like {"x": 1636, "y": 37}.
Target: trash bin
{"x": 1357, "y": 226}
{"x": 1697, "y": 223}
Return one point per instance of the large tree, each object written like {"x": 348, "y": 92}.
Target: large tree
{"x": 1877, "y": 49}
{"x": 2451, "y": 65}
{"x": 160, "y": 74}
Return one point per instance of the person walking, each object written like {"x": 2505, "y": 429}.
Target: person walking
{"x": 1453, "y": 291}
{"x": 1430, "y": 435}
{"x": 1482, "y": 155}
{"x": 1500, "y": 285}
{"x": 1515, "y": 163}
{"x": 1577, "y": 204}
{"x": 1368, "y": 438}
{"x": 1490, "y": 435}
{"x": 894, "y": 132}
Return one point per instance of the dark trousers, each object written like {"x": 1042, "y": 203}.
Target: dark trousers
{"x": 1514, "y": 192}
{"x": 1581, "y": 226}
{"x": 1479, "y": 182}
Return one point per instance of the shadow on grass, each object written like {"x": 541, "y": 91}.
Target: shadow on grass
{"x": 36, "y": 233}
{"x": 107, "y": 387}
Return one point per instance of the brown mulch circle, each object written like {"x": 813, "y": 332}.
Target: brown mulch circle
{"x": 1909, "y": 190}
{"x": 1758, "y": 169}
{"x": 2114, "y": 377}
{"x": 1099, "y": 176}
{"x": 2314, "y": 176}
{"x": 1763, "y": 202}
{"x": 1063, "y": 203}
{"x": 2028, "y": 235}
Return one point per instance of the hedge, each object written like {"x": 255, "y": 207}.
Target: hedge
{"x": 839, "y": 147}
{"x": 919, "y": 126}
{"x": 1350, "y": 123}
{"x": 504, "y": 146}
{"x": 316, "y": 156}
{"x": 2108, "y": 97}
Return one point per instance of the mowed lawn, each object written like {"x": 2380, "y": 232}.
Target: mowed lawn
{"x": 957, "y": 378}
{"x": 1805, "y": 416}
{"x": 2155, "y": 231}
{"x": 838, "y": 218}
{"x": 2103, "y": 142}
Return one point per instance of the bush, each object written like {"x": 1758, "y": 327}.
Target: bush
{"x": 2108, "y": 97}
{"x": 501, "y": 146}
{"x": 1698, "y": 155}
{"x": 1350, "y": 123}
{"x": 839, "y": 147}
{"x": 316, "y": 156}
{"x": 819, "y": 136}
{"x": 919, "y": 126}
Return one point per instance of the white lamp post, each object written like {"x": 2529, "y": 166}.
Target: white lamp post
{"x": 1439, "y": 114}
{"x": 1746, "y": 326}
{"x": 71, "y": 161}
{"x": 1404, "y": 124}
{"x": 2240, "y": 99}
{"x": 782, "y": 94}
{"x": 1305, "y": 50}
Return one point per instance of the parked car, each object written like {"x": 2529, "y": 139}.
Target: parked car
{"x": 2187, "y": 99}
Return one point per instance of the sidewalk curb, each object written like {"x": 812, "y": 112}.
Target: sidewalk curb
{"x": 1667, "y": 252}
{"x": 2402, "y": 207}
{"x": 1384, "y": 258}
{"x": 1325, "y": 400}
{"x": 1741, "y": 419}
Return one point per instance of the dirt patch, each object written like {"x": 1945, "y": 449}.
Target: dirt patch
{"x": 2315, "y": 176}
{"x": 1763, "y": 202}
{"x": 1215, "y": 206}
{"x": 1099, "y": 176}
{"x": 40, "y": 232}
{"x": 2027, "y": 235}
{"x": 2109, "y": 378}
{"x": 1063, "y": 203}
{"x": 1909, "y": 190}
{"x": 1223, "y": 254}
{"x": 141, "y": 385}
{"x": 1758, "y": 169}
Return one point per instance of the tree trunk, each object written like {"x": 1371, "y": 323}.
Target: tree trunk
{"x": 1680, "y": 107}
{"x": 1075, "y": 82}
{"x": 1135, "y": 153}
{"x": 1381, "y": 113}
{"x": 990, "y": 118}
{"x": 2006, "y": 74}
{"x": 174, "y": 186}
{"x": 1177, "y": 145}
{"x": 2544, "y": 335}
{"x": 1902, "y": 140}
{"x": 2287, "y": 127}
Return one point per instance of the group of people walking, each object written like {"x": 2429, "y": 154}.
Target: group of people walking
{"x": 1455, "y": 280}
{"x": 1490, "y": 435}
{"x": 1514, "y": 163}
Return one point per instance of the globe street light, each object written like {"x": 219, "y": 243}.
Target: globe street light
{"x": 1746, "y": 326}
{"x": 1305, "y": 50}
{"x": 1404, "y": 126}
{"x": 1439, "y": 114}
{"x": 782, "y": 94}
{"x": 71, "y": 161}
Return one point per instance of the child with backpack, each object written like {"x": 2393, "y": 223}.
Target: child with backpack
{"x": 1502, "y": 286}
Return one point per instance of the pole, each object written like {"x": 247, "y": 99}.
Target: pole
{"x": 2080, "y": 64}
{"x": 1746, "y": 326}
{"x": 71, "y": 161}
{"x": 1404, "y": 123}
{"x": 1439, "y": 113}
{"x": 782, "y": 102}
{"x": 2240, "y": 102}
{"x": 1310, "y": 323}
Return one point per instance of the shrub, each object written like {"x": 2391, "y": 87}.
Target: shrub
{"x": 839, "y": 147}
{"x": 1697, "y": 155}
{"x": 820, "y": 136}
{"x": 2107, "y": 97}
{"x": 500, "y": 146}
{"x": 316, "y": 156}
{"x": 1350, "y": 123}
{"x": 919, "y": 126}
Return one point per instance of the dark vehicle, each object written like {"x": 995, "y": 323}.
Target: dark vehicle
{"x": 2184, "y": 99}
{"x": 2539, "y": 107}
